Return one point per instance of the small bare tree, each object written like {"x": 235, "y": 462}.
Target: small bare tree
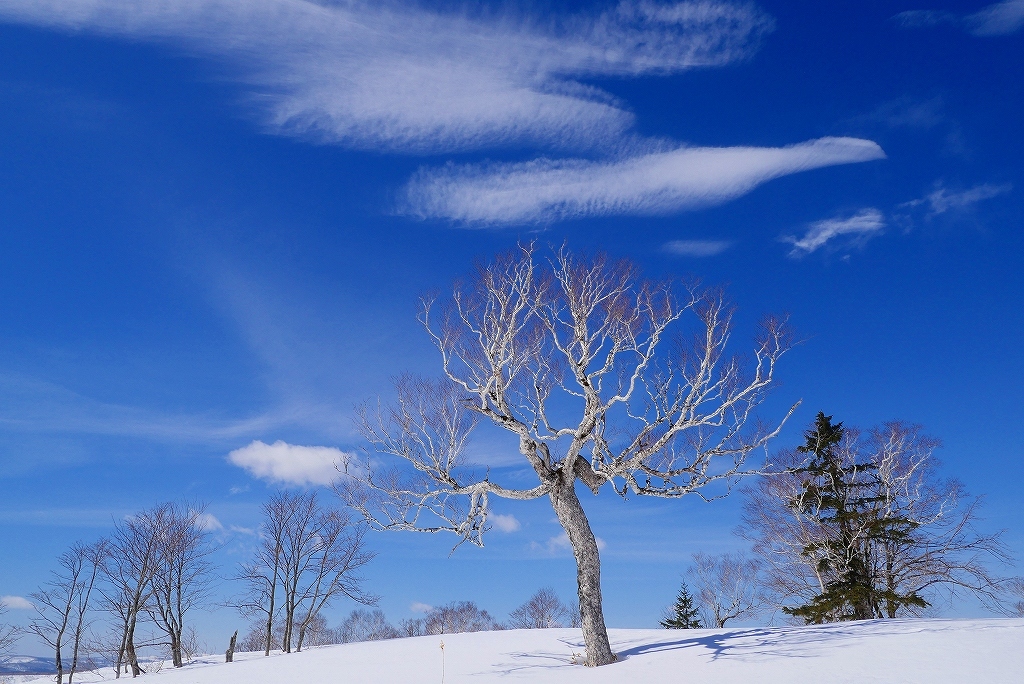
{"x": 62, "y": 605}
{"x": 182, "y": 575}
{"x": 1013, "y": 605}
{"x": 366, "y": 625}
{"x": 575, "y": 359}
{"x": 936, "y": 551}
{"x": 727, "y": 587}
{"x": 8, "y": 633}
{"x": 457, "y": 617}
{"x": 542, "y": 611}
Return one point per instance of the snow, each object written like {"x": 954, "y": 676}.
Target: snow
{"x": 897, "y": 651}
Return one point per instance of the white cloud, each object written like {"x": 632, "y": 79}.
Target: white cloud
{"x": 15, "y": 603}
{"x": 289, "y": 463}
{"x": 402, "y": 76}
{"x": 560, "y": 544}
{"x": 207, "y": 522}
{"x": 696, "y": 248}
{"x": 942, "y": 200}
{"x": 999, "y": 19}
{"x": 652, "y": 183}
{"x": 504, "y": 523}
{"x": 861, "y": 226}
{"x": 417, "y": 607}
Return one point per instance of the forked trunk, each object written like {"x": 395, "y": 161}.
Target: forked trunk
{"x": 588, "y": 572}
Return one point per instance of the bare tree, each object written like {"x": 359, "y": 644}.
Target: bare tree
{"x": 321, "y": 554}
{"x": 181, "y": 577}
{"x": 262, "y": 575}
{"x": 8, "y": 633}
{"x": 61, "y": 606}
{"x": 543, "y": 610}
{"x": 366, "y": 625}
{"x": 308, "y": 556}
{"x": 338, "y": 555}
{"x": 727, "y": 587}
{"x": 457, "y": 617}
{"x": 936, "y": 553}
{"x": 134, "y": 558}
{"x": 1014, "y": 603}
{"x": 574, "y": 358}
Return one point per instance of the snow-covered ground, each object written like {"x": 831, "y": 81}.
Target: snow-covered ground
{"x": 892, "y": 651}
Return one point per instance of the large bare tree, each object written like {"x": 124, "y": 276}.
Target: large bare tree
{"x": 937, "y": 553}
{"x": 577, "y": 360}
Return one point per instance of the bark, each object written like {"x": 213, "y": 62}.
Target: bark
{"x": 588, "y": 572}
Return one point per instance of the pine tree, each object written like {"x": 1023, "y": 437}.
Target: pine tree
{"x": 843, "y": 497}
{"x": 683, "y": 614}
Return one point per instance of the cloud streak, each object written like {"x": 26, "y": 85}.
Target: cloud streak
{"x": 289, "y": 463}
{"x": 999, "y": 19}
{"x": 942, "y": 200}
{"x": 860, "y": 227}
{"x": 696, "y": 248}
{"x": 402, "y": 77}
{"x": 653, "y": 183}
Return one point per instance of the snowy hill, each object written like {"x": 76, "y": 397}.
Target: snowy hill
{"x": 17, "y": 664}
{"x": 898, "y": 651}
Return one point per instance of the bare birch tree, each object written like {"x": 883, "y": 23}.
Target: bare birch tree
{"x": 181, "y": 577}
{"x": 938, "y": 553}
{"x": 63, "y": 603}
{"x": 727, "y": 587}
{"x": 576, "y": 360}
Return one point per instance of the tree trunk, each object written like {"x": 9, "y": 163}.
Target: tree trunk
{"x": 229, "y": 655}
{"x": 588, "y": 571}
{"x": 133, "y": 658}
{"x": 176, "y": 657}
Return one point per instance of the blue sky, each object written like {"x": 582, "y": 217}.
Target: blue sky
{"x": 216, "y": 219}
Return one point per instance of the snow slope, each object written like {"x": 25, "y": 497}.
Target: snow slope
{"x": 896, "y": 651}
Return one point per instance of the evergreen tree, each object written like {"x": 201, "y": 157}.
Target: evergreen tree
{"x": 842, "y": 495}
{"x": 683, "y": 614}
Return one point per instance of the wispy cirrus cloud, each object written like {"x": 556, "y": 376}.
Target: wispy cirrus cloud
{"x": 998, "y": 19}
{"x": 404, "y": 77}
{"x": 289, "y": 463}
{"x": 696, "y": 248}
{"x": 32, "y": 405}
{"x": 941, "y": 200}
{"x": 651, "y": 183}
{"x": 856, "y": 229}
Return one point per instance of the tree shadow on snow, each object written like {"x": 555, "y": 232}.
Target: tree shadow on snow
{"x": 792, "y": 642}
